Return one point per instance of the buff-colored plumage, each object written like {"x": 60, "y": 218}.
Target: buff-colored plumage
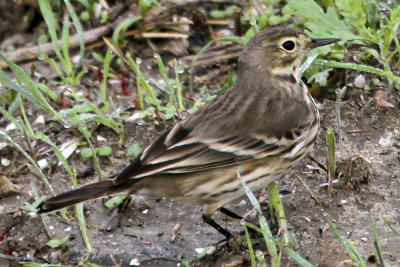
{"x": 265, "y": 124}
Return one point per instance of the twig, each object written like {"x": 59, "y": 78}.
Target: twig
{"x": 256, "y": 6}
{"x": 28, "y": 53}
{"x": 14, "y": 258}
{"x": 308, "y": 189}
{"x": 162, "y": 35}
{"x": 313, "y": 159}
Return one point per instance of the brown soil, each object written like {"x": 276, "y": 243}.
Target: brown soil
{"x": 163, "y": 232}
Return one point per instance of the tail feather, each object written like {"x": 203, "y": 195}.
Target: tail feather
{"x": 81, "y": 194}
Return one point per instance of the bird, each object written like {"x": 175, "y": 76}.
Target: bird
{"x": 264, "y": 124}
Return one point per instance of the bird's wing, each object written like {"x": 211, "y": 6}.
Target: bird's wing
{"x": 176, "y": 151}
{"x": 212, "y": 139}
{"x": 165, "y": 156}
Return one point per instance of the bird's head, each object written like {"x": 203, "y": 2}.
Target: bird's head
{"x": 278, "y": 50}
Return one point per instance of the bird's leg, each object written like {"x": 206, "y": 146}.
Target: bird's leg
{"x": 208, "y": 220}
{"x": 230, "y": 213}
{"x": 236, "y": 216}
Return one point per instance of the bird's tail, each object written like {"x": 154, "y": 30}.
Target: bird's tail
{"x": 81, "y": 194}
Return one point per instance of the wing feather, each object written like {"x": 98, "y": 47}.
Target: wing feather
{"x": 213, "y": 138}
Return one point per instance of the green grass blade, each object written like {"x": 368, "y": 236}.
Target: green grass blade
{"x": 122, "y": 28}
{"x": 94, "y": 157}
{"x": 352, "y": 66}
{"x": 330, "y": 140}
{"x": 390, "y": 226}
{"x": 348, "y": 247}
{"x": 79, "y": 29}
{"x": 293, "y": 255}
{"x": 45, "y": 89}
{"x": 50, "y": 20}
{"x": 28, "y": 126}
{"x": 178, "y": 86}
{"x": 263, "y": 222}
{"x": 250, "y": 245}
{"x": 9, "y": 139}
{"x": 140, "y": 78}
{"x": 34, "y": 95}
{"x": 44, "y": 217}
{"x": 106, "y": 68}
{"x": 54, "y": 65}
{"x": 82, "y": 225}
{"x": 11, "y": 118}
{"x": 59, "y": 155}
{"x": 5, "y": 80}
{"x": 276, "y": 208}
{"x": 66, "y": 60}
{"x": 172, "y": 95}
{"x": 377, "y": 247}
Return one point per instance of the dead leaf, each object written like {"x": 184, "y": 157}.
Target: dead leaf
{"x": 381, "y": 100}
{"x": 175, "y": 229}
{"x": 7, "y": 188}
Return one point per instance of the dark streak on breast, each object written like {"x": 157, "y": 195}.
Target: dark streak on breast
{"x": 287, "y": 77}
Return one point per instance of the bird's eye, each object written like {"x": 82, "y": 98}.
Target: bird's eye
{"x": 288, "y": 45}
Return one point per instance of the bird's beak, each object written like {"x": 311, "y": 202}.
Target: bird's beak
{"x": 320, "y": 42}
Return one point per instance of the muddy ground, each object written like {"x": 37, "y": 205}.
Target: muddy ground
{"x": 163, "y": 232}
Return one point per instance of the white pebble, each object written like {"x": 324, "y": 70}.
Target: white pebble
{"x": 134, "y": 262}
{"x": 385, "y": 142}
{"x": 359, "y": 81}
{"x": 5, "y": 162}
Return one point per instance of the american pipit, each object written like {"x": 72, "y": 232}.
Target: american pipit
{"x": 265, "y": 124}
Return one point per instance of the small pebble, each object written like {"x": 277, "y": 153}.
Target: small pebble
{"x": 359, "y": 81}
{"x": 385, "y": 142}
{"x": 134, "y": 262}
{"x": 10, "y": 127}
{"x": 42, "y": 163}
{"x": 5, "y": 162}
{"x": 319, "y": 106}
{"x": 100, "y": 138}
{"x": 199, "y": 250}
{"x": 39, "y": 120}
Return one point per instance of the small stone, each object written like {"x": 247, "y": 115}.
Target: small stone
{"x": 385, "y": 142}
{"x": 134, "y": 262}
{"x": 10, "y": 127}
{"x": 359, "y": 81}
{"x": 319, "y": 106}
{"x": 101, "y": 138}
{"x": 5, "y": 162}
{"x": 199, "y": 250}
{"x": 242, "y": 202}
{"x": 39, "y": 120}
{"x": 42, "y": 163}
